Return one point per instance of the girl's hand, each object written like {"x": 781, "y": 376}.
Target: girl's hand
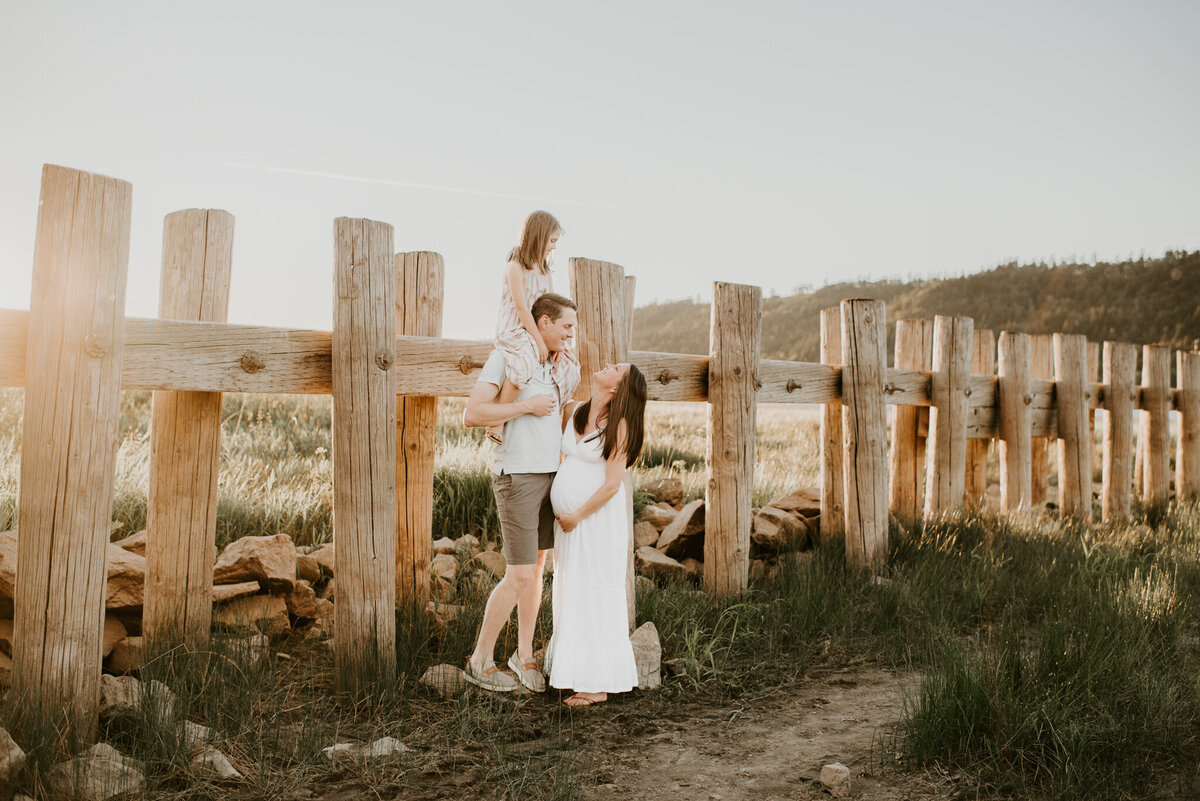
{"x": 567, "y": 520}
{"x": 543, "y": 351}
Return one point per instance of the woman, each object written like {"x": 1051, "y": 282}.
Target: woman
{"x": 589, "y": 650}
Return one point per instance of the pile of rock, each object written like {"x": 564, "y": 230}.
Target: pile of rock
{"x": 669, "y": 535}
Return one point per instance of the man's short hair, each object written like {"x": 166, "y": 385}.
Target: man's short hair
{"x": 551, "y": 305}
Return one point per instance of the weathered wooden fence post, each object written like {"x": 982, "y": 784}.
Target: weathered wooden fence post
{"x": 914, "y": 351}
{"x": 833, "y": 509}
{"x": 1041, "y": 368}
{"x": 1016, "y": 423}
{"x": 947, "y": 461}
{"x": 185, "y": 440}
{"x": 419, "y": 290}
{"x": 1094, "y": 373}
{"x": 1074, "y": 436}
{"x": 364, "y": 453}
{"x": 630, "y": 570}
{"x": 1187, "y": 453}
{"x": 1156, "y": 389}
{"x": 1120, "y": 369}
{"x": 864, "y": 412}
{"x": 983, "y": 362}
{"x": 734, "y": 352}
{"x": 603, "y": 295}
{"x": 72, "y": 385}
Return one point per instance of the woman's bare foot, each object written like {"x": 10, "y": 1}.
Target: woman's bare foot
{"x": 585, "y": 699}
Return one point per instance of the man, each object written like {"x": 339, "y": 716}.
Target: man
{"x": 523, "y": 470}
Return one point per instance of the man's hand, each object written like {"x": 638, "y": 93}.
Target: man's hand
{"x": 540, "y": 405}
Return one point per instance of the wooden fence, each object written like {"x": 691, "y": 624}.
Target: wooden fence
{"x": 384, "y": 363}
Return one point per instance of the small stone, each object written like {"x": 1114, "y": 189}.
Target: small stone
{"x": 12, "y": 758}
{"x": 126, "y": 655}
{"x": 97, "y": 774}
{"x": 134, "y": 543}
{"x": 445, "y": 680}
{"x": 658, "y": 515}
{"x": 324, "y": 557}
{"x": 324, "y": 609}
{"x": 665, "y": 490}
{"x": 264, "y": 613}
{"x": 194, "y": 735}
{"x": 114, "y": 632}
{"x": 647, "y": 653}
{"x": 322, "y": 629}
{"x": 685, "y": 536}
{"x": 642, "y": 584}
{"x": 271, "y": 561}
{"x": 308, "y": 568}
{"x": 302, "y": 601}
{"x": 126, "y": 696}
{"x": 227, "y": 592}
{"x": 385, "y": 747}
{"x": 694, "y": 567}
{"x": 652, "y": 562}
{"x": 676, "y": 667}
{"x": 444, "y": 545}
{"x": 468, "y": 543}
{"x": 644, "y": 534}
{"x": 210, "y": 762}
{"x": 493, "y": 562}
{"x": 445, "y": 566}
{"x": 835, "y": 777}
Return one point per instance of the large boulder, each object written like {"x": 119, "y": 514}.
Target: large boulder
{"x": 126, "y": 655}
{"x": 805, "y": 502}
{"x": 655, "y": 564}
{"x": 644, "y": 534}
{"x": 307, "y": 568}
{"x": 98, "y": 774}
{"x": 227, "y": 592}
{"x": 664, "y": 490}
{"x": 126, "y": 587}
{"x": 684, "y": 537}
{"x": 271, "y": 561}
{"x": 444, "y": 565}
{"x": 658, "y": 515}
{"x": 267, "y": 614}
{"x": 493, "y": 562}
{"x": 775, "y": 530}
{"x": 647, "y": 653}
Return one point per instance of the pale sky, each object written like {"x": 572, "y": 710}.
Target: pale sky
{"x": 778, "y": 144}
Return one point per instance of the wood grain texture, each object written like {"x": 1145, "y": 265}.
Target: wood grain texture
{"x": 1156, "y": 385}
{"x": 1041, "y": 368}
{"x": 1187, "y": 454}
{"x": 364, "y": 454}
{"x": 420, "y": 278}
{"x": 1016, "y": 492}
{"x": 946, "y": 463}
{"x": 983, "y": 363}
{"x": 1074, "y": 436}
{"x": 72, "y": 390}
{"x": 185, "y": 441}
{"x": 914, "y": 351}
{"x": 864, "y": 425}
{"x": 602, "y": 337}
{"x": 833, "y": 503}
{"x": 1120, "y": 370}
{"x": 734, "y": 352}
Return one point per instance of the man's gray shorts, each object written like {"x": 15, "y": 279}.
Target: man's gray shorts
{"x": 526, "y": 517}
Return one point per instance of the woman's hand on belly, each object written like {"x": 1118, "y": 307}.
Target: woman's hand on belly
{"x": 567, "y": 521}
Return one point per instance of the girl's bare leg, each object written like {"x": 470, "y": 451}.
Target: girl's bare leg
{"x": 508, "y": 394}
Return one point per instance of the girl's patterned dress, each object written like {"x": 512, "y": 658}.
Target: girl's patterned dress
{"x": 519, "y": 348}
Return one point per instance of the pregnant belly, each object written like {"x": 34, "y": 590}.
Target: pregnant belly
{"x": 574, "y": 484}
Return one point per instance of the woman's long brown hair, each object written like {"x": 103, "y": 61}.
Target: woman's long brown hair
{"x": 629, "y": 404}
{"x": 530, "y": 252}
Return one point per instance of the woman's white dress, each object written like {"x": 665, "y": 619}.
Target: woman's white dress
{"x": 589, "y": 648}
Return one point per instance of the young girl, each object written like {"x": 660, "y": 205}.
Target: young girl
{"x": 526, "y": 279}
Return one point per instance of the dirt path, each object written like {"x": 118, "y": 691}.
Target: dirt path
{"x": 772, "y": 748}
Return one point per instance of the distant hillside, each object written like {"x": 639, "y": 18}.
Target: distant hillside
{"x": 1143, "y": 301}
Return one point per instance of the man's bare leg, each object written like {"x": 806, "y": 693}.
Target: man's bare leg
{"x": 528, "y": 605}
{"x": 517, "y": 581}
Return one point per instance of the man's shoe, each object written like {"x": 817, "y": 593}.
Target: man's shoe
{"x": 528, "y": 673}
{"x": 490, "y": 678}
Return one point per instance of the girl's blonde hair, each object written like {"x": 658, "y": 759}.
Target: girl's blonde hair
{"x": 530, "y": 252}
